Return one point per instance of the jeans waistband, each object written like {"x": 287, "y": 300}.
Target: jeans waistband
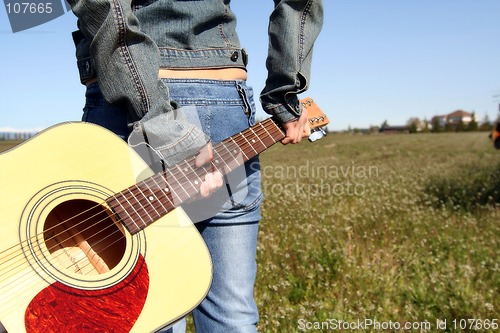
{"x": 208, "y": 90}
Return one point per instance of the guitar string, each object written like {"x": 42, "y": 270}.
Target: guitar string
{"x": 39, "y": 270}
{"x": 93, "y": 208}
{"x": 87, "y": 219}
{"x": 176, "y": 177}
{"x": 79, "y": 223}
{"x": 217, "y": 151}
{"x": 101, "y": 212}
{"x": 55, "y": 226}
{"x": 108, "y": 246}
{"x": 111, "y": 244}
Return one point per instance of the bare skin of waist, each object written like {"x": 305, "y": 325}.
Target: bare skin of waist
{"x": 209, "y": 74}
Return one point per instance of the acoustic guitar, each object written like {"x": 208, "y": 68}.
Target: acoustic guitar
{"x": 86, "y": 247}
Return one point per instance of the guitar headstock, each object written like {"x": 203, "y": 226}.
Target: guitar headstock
{"x": 317, "y": 119}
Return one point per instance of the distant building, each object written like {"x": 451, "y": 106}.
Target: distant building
{"x": 459, "y": 115}
{"x": 439, "y": 121}
{"x": 454, "y": 119}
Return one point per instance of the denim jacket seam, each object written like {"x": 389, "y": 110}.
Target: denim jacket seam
{"x": 186, "y": 138}
{"x": 125, "y": 53}
{"x": 303, "y": 21}
{"x": 207, "y": 49}
{"x": 220, "y": 27}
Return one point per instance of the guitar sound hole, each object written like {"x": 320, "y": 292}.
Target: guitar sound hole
{"x": 83, "y": 238}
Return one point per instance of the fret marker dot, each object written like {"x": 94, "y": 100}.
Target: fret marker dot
{"x": 196, "y": 182}
{"x": 151, "y": 198}
{"x": 253, "y": 140}
{"x": 216, "y": 161}
{"x": 185, "y": 169}
{"x": 166, "y": 189}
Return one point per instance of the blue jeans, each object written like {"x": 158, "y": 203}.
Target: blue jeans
{"x": 223, "y": 108}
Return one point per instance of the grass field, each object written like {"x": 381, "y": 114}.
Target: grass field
{"x": 368, "y": 228}
{"x": 396, "y": 229}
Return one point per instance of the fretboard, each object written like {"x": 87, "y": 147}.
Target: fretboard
{"x": 145, "y": 202}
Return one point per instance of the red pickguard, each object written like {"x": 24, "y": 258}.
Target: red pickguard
{"x": 59, "y": 308}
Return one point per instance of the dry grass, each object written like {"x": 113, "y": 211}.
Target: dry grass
{"x": 358, "y": 235}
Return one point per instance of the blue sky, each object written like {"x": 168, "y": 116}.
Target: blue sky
{"x": 375, "y": 60}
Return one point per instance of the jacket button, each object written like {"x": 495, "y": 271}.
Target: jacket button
{"x": 234, "y": 56}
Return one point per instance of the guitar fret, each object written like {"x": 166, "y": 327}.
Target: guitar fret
{"x": 216, "y": 161}
{"x": 148, "y": 201}
{"x": 141, "y": 207}
{"x": 137, "y": 209}
{"x": 153, "y": 200}
{"x": 258, "y": 138}
{"x": 243, "y": 144}
{"x": 119, "y": 207}
{"x": 163, "y": 191}
{"x": 248, "y": 143}
{"x": 179, "y": 184}
{"x": 246, "y": 158}
{"x": 188, "y": 182}
{"x": 129, "y": 209}
{"x": 127, "y": 219}
{"x": 170, "y": 189}
{"x": 232, "y": 156}
{"x": 183, "y": 177}
{"x": 197, "y": 175}
{"x": 159, "y": 194}
{"x": 269, "y": 135}
{"x": 262, "y": 138}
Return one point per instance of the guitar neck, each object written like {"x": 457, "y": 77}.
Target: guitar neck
{"x": 145, "y": 202}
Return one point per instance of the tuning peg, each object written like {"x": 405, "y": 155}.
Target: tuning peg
{"x": 317, "y": 133}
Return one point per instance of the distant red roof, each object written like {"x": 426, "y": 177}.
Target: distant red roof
{"x": 459, "y": 114}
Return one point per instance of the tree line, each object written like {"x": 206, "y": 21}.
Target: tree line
{"x": 434, "y": 126}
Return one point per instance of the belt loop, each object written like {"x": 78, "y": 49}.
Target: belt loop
{"x": 243, "y": 96}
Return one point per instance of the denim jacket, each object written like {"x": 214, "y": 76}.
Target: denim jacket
{"x": 125, "y": 42}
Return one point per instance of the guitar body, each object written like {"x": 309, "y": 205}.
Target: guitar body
{"x": 66, "y": 263}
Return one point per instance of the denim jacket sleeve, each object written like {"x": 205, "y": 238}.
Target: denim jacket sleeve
{"x": 293, "y": 28}
{"x": 126, "y": 62}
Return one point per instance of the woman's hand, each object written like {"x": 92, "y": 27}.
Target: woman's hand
{"x": 297, "y": 129}
{"x": 213, "y": 180}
